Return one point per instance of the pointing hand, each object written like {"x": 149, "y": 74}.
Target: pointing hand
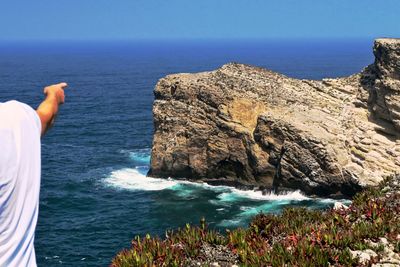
{"x": 57, "y": 91}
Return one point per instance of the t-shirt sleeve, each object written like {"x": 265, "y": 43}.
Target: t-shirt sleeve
{"x": 18, "y": 111}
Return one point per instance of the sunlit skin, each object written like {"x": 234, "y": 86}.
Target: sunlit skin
{"x": 48, "y": 109}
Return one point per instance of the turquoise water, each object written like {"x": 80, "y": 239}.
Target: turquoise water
{"x": 95, "y": 197}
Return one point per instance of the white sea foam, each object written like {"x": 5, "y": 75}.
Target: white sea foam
{"x": 132, "y": 179}
{"x": 231, "y": 194}
{"x": 135, "y": 179}
{"x": 235, "y": 194}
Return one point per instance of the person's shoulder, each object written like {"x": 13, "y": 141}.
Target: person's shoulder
{"x": 14, "y": 104}
{"x": 18, "y": 111}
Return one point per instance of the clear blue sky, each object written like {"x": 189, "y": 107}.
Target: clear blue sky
{"x": 187, "y": 19}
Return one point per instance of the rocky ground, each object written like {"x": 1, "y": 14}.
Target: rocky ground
{"x": 246, "y": 126}
{"x": 380, "y": 252}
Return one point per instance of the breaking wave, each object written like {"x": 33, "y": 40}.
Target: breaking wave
{"x": 233, "y": 207}
{"x": 135, "y": 179}
{"x": 258, "y": 195}
{"x": 132, "y": 179}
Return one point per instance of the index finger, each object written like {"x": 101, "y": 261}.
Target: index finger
{"x": 62, "y": 85}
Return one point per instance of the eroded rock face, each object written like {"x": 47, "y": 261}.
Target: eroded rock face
{"x": 385, "y": 93}
{"x": 242, "y": 125}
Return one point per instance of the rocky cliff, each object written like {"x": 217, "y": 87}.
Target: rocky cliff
{"x": 243, "y": 125}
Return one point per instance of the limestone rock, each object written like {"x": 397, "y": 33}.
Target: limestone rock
{"x": 364, "y": 256}
{"x": 247, "y": 126}
{"x": 339, "y": 206}
{"x": 387, "y": 257}
{"x": 385, "y": 92}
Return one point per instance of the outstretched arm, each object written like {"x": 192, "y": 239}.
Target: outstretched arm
{"x": 48, "y": 109}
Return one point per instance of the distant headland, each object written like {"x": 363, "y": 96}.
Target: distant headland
{"x": 247, "y": 126}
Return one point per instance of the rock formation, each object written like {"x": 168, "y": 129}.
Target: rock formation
{"x": 248, "y": 126}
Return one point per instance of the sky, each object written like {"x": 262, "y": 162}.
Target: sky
{"x": 200, "y": 19}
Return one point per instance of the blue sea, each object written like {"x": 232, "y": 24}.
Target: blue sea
{"x": 95, "y": 196}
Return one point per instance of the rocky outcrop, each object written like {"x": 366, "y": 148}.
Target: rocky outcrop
{"x": 385, "y": 91}
{"x": 243, "y": 125}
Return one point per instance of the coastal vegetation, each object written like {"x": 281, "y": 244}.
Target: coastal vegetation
{"x": 363, "y": 234}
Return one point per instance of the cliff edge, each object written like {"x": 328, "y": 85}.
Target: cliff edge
{"x": 243, "y": 125}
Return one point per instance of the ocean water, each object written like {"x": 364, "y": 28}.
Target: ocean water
{"x": 95, "y": 196}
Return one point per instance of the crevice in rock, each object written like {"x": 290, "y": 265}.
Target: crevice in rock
{"x": 229, "y": 168}
{"x": 278, "y": 168}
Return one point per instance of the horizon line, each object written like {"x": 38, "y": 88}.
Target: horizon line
{"x": 114, "y": 40}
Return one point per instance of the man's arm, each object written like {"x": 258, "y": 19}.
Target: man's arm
{"x": 48, "y": 109}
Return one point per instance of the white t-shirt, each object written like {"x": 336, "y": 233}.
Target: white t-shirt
{"x": 20, "y": 129}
